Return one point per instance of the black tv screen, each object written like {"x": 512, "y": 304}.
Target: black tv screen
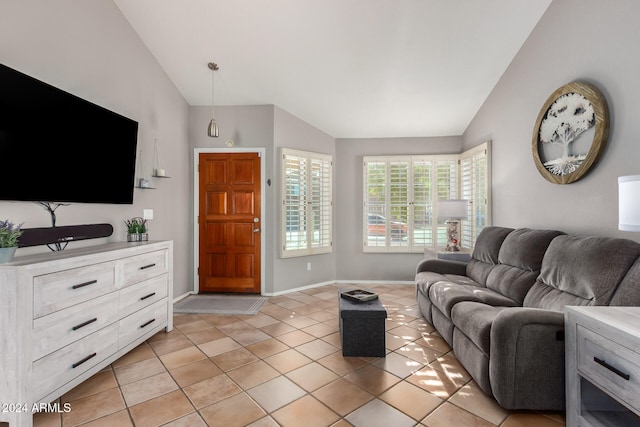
{"x": 57, "y": 147}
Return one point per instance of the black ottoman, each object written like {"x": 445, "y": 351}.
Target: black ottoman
{"x": 362, "y": 327}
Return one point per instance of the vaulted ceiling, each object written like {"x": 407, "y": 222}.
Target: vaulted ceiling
{"x": 352, "y": 68}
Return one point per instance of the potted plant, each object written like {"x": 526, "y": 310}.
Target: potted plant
{"x": 9, "y": 234}
{"x": 142, "y": 229}
{"x": 136, "y": 230}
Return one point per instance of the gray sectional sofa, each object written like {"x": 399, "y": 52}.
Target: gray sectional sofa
{"x": 502, "y": 312}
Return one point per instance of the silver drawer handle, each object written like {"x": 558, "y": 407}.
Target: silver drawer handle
{"x": 83, "y": 324}
{"x": 75, "y": 365}
{"x": 612, "y": 368}
{"x": 82, "y": 285}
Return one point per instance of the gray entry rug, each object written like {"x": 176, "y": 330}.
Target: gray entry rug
{"x": 220, "y": 304}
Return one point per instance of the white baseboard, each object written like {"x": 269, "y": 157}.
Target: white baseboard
{"x": 340, "y": 282}
{"x": 301, "y": 288}
{"x": 183, "y": 296}
{"x": 375, "y": 282}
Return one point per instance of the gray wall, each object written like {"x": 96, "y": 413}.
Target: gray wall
{"x": 88, "y": 48}
{"x": 352, "y": 263}
{"x": 587, "y": 40}
{"x": 289, "y": 273}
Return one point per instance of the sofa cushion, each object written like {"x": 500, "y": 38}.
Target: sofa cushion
{"x": 524, "y": 248}
{"x": 581, "y": 271}
{"x": 511, "y": 281}
{"x": 520, "y": 259}
{"x": 445, "y": 295}
{"x": 474, "y": 320}
{"x": 425, "y": 279}
{"x": 485, "y": 253}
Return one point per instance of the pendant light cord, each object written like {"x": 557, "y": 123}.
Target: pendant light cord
{"x": 213, "y": 67}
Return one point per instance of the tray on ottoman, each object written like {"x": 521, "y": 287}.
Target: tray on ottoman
{"x": 359, "y": 295}
{"x": 362, "y": 327}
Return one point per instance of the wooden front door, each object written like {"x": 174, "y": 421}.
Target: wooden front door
{"x": 229, "y": 222}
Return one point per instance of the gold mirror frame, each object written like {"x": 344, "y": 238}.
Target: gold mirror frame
{"x": 601, "y": 116}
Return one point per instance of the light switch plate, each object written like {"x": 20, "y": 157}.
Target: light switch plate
{"x": 147, "y": 214}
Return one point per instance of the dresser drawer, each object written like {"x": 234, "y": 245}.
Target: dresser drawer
{"x": 142, "y": 267}
{"x": 136, "y": 297}
{"x": 63, "y": 327}
{"x": 56, "y": 369}
{"x": 57, "y": 291}
{"x": 139, "y": 323}
{"x": 608, "y": 364}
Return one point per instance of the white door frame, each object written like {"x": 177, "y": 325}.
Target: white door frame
{"x": 196, "y": 206}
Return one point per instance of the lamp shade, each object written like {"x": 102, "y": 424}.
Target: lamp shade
{"x": 213, "y": 131}
{"x": 629, "y": 203}
{"x": 453, "y": 209}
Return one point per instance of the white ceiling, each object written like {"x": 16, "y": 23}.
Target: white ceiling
{"x": 352, "y": 68}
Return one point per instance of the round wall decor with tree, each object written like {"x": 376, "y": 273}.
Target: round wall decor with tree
{"x": 570, "y": 133}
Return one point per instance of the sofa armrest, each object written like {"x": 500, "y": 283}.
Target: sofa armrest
{"x": 526, "y": 362}
{"x": 442, "y": 266}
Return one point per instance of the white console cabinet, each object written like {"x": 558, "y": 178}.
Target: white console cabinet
{"x": 66, "y": 315}
{"x": 602, "y": 366}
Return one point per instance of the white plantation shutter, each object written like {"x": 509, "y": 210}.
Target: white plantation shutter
{"x": 375, "y": 201}
{"x": 446, "y": 184}
{"x": 466, "y": 172}
{"x": 398, "y": 202}
{"x": 321, "y": 202}
{"x": 447, "y": 178}
{"x": 295, "y": 197}
{"x": 422, "y": 206}
{"x": 306, "y": 203}
{"x": 475, "y": 175}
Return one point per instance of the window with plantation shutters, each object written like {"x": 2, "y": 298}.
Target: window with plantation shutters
{"x": 306, "y": 203}
{"x": 401, "y": 193}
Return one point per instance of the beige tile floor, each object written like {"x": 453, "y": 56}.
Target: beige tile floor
{"x": 284, "y": 367}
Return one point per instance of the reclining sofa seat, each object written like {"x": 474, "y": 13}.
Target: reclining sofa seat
{"x": 473, "y": 273}
{"x": 517, "y": 353}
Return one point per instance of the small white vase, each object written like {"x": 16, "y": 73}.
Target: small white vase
{"x": 6, "y": 254}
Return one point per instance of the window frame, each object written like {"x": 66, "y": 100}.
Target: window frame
{"x": 315, "y": 204}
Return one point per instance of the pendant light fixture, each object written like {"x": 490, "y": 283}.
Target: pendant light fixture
{"x": 213, "y": 126}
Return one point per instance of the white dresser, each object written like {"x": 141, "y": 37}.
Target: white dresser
{"x": 603, "y": 366}
{"x": 66, "y": 315}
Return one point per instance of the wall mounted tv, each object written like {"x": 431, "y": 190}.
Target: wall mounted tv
{"x": 57, "y": 147}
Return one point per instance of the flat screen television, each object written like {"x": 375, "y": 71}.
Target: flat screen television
{"x": 57, "y": 147}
